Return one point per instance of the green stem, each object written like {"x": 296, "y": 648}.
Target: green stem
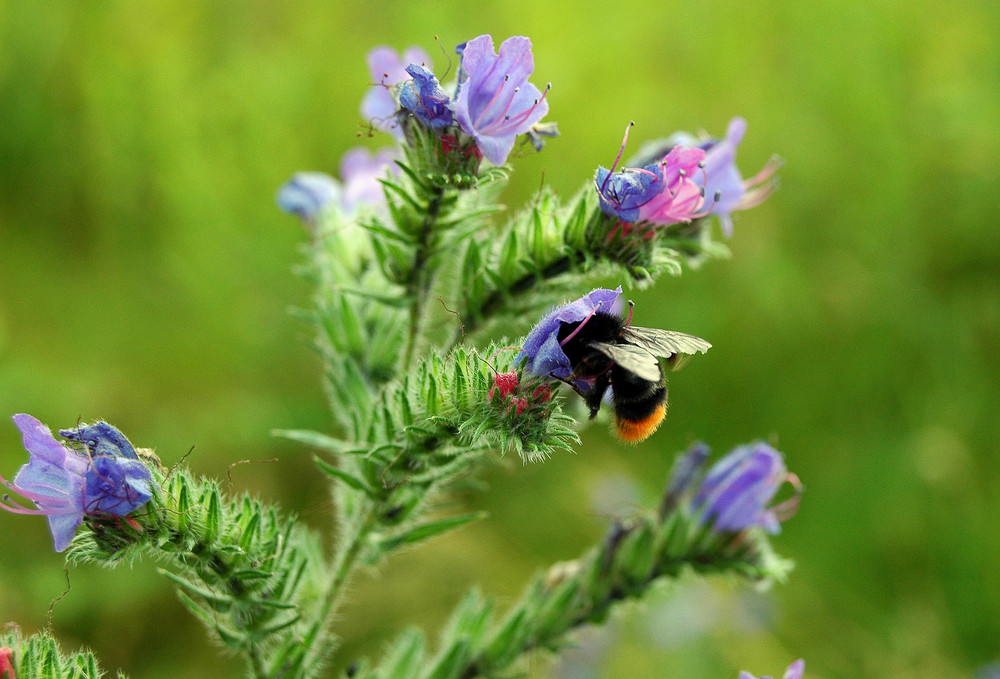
{"x": 420, "y": 279}
{"x": 256, "y": 662}
{"x": 343, "y": 565}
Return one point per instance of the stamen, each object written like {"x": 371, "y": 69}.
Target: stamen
{"x": 707, "y": 209}
{"x": 614, "y": 165}
{"x": 631, "y": 308}
{"x": 527, "y": 112}
{"x": 582, "y": 323}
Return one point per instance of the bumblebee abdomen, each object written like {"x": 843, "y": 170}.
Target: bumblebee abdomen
{"x": 634, "y": 430}
{"x": 640, "y": 406}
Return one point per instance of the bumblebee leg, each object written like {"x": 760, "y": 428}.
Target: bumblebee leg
{"x": 569, "y": 382}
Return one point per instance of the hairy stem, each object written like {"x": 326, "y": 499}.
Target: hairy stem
{"x": 421, "y": 276}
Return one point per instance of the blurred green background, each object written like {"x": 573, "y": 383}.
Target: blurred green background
{"x": 145, "y": 278}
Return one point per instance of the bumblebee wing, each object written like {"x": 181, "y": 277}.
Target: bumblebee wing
{"x": 664, "y": 343}
{"x": 633, "y": 358}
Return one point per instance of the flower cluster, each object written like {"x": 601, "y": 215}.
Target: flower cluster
{"x": 492, "y": 104}
{"x": 719, "y": 179}
{"x": 65, "y": 485}
{"x": 518, "y": 397}
{"x": 684, "y": 178}
{"x": 661, "y": 193}
{"x": 308, "y": 194}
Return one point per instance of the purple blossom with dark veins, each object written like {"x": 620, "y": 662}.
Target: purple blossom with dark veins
{"x": 661, "y": 193}
{"x": 495, "y": 102}
{"x": 387, "y": 69}
{"x": 424, "y": 97}
{"x": 794, "y": 671}
{"x": 737, "y": 489}
{"x": 541, "y": 352}
{"x": 65, "y": 485}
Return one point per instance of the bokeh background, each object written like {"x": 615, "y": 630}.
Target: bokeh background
{"x": 146, "y": 278}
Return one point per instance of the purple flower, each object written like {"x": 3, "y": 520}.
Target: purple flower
{"x": 100, "y": 438}
{"x": 388, "y": 69}
{"x": 723, "y": 179}
{"x": 307, "y": 194}
{"x": 735, "y": 492}
{"x": 687, "y": 468}
{"x": 424, "y": 97}
{"x": 542, "y": 353}
{"x": 361, "y": 170}
{"x": 117, "y": 486}
{"x": 661, "y": 193}
{"x": 794, "y": 671}
{"x": 65, "y": 484}
{"x": 53, "y": 479}
{"x": 495, "y": 102}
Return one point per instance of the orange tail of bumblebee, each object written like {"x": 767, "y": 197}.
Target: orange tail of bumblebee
{"x": 634, "y": 431}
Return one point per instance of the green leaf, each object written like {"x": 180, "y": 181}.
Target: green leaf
{"x": 212, "y": 502}
{"x": 426, "y": 530}
{"x": 450, "y": 664}
{"x": 220, "y": 602}
{"x": 350, "y": 480}
{"x": 387, "y": 233}
{"x": 316, "y": 439}
{"x": 394, "y": 300}
{"x": 405, "y": 657}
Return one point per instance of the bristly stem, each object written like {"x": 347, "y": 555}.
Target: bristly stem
{"x": 344, "y": 562}
{"x": 421, "y": 277}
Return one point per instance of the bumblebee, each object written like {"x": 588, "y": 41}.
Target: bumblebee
{"x": 606, "y": 351}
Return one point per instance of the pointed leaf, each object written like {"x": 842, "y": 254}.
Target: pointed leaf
{"x": 426, "y": 530}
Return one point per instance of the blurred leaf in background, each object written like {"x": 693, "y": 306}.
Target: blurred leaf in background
{"x": 145, "y": 277}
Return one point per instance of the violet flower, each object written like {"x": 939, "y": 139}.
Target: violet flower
{"x": 307, "y": 194}
{"x": 794, "y": 671}
{"x": 661, "y": 193}
{"x": 495, "y": 102}
{"x": 541, "y": 353}
{"x": 64, "y": 484}
{"x": 722, "y": 178}
{"x": 424, "y": 97}
{"x": 737, "y": 489}
{"x": 361, "y": 170}
{"x": 387, "y": 69}
{"x": 117, "y": 486}
{"x": 101, "y": 438}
